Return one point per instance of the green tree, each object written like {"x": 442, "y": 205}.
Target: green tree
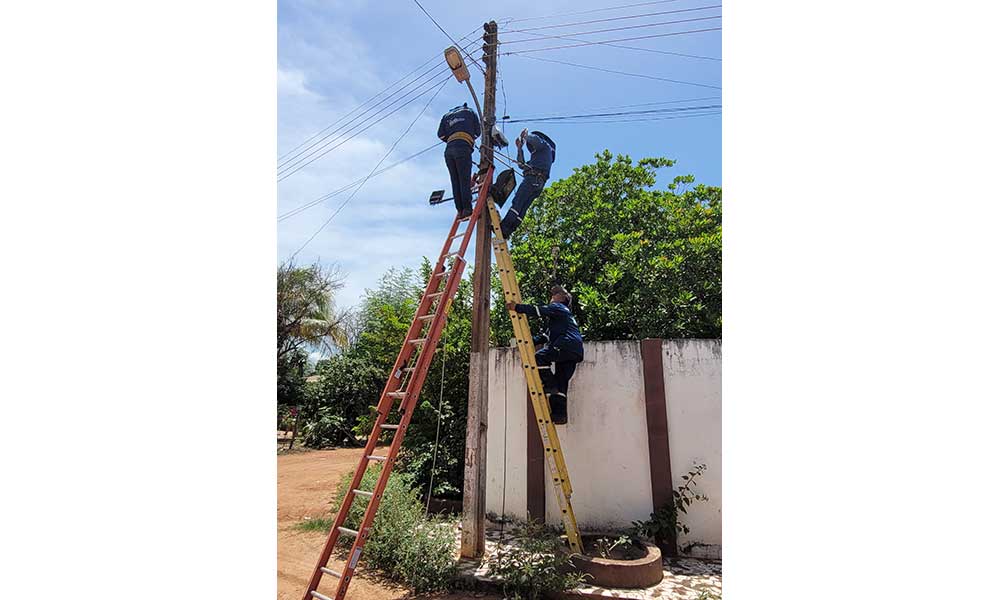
{"x": 306, "y": 318}
{"x": 640, "y": 262}
{"x": 307, "y": 313}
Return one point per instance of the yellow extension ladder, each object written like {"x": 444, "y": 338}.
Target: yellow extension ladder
{"x": 522, "y": 333}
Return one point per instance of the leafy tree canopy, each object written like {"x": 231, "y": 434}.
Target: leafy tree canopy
{"x": 640, "y": 262}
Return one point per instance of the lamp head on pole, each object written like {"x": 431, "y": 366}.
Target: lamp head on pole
{"x": 454, "y": 59}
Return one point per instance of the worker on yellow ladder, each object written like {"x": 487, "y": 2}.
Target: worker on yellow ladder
{"x": 536, "y": 173}
{"x": 562, "y": 348}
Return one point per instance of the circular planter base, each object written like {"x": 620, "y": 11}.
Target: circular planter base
{"x": 607, "y": 572}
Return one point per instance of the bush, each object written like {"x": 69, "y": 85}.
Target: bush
{"x": 404, "y": 545}
{"x": 535, "y": 564}
{"x": 664, "y": 526}
{"x": 325, "y": 430}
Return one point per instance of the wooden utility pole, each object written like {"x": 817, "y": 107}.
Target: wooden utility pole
{"x": 474, "y": 492}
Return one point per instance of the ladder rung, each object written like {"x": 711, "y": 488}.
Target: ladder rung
{"x": 329, "y": 572}
{"x": 450, "y": 254}
{"x": 362, "y": 493}
{"x": 347, "y": 531}
{"x": 443, "y": 273}
{"x": 418, "y": 341}
{"x": 318, "y": 595}
{"x": 396, "y": 394}
{"x": 435, "y": 294}
{"x": 458, "y": 235}
{"x": 387, "y": 426}
{"x": 378, "y": 458}
{"x": 427, "y": 317}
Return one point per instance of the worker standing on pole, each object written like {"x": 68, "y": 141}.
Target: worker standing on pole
{"x": 459, "y": 128}
{"x": 536, "y": 173}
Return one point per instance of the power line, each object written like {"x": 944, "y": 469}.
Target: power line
{"x": 617, "y": 114}
{"x": 323, "y": 141}
{"x": 660, "y": 24}
{"x": 310, "y": 204}
{"x": 657, "y": 103}
{"x": 433, "y": 20}
{"x": 356, "y": 108}
{"x": 372, "y": 173}
{"x": 653, "y": 14}
{"x": 643, "y": 37}
{"x": 313, "y": 157}
{"x": 371, "y": 112}
{"x": 584, "y": 12}
{"x": 637, "y": 120}
{"x": 539, "y": 36}
{"x": 642, "y": 75}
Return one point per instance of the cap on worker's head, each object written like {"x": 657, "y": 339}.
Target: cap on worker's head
{"x": 558, "y": 290}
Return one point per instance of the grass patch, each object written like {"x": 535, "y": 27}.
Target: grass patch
{"x": 322, "y": 524}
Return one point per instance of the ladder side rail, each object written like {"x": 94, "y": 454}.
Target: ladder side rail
{"x": 475, "y": 219}
{"x": 391, "y": 385}
{"x": 416, "y": 384}
{"x": 406, "y": 352}
{"x": 555, "y": 460}
{"x": 522, "y": 331}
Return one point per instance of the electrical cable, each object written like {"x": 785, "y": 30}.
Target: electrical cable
{"x": 610, "y": 29}
{"x": 701, "y": 99}
{"x": 617, "y": 114}
{"x": 387, "y": 88}
{"x": 593, "y": 10}
{"x": 326, "y": 141}
{"x": 437, "y": 435}
{"x": 311, "y": 203}
{"x": 357, "y": 189}
{"x": 628, "y": 39}
{"x": 637, "y": 48}
{"x": 666, "y": 12}
{"x": 433, "y": 20}
{"x": 641, "y": 75}
{"x": 316, "y": 155}
{"x": 638, "y": 120}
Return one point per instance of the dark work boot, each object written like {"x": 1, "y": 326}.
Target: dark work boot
{"x": 557, "y": 407}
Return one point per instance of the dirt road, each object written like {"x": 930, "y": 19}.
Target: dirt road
{"x": 306, "y": 484}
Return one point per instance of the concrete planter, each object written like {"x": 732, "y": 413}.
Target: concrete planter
{"x": 610, "y": 573}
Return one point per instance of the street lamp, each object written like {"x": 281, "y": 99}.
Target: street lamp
{"x": 454, "y": 59}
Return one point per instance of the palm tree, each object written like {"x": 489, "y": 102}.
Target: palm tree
{"x": 307, "y": 315}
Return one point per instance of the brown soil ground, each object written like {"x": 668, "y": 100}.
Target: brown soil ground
{"x": 306, "y": 484}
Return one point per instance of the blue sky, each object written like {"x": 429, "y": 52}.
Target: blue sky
{"x": 334, "y": 55}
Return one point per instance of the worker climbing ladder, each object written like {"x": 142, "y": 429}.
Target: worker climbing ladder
{"x": 546, "y": 428}
{"x": 405, "y": 382}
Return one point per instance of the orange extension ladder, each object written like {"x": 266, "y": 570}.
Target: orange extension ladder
{"x": 405, "y": 381}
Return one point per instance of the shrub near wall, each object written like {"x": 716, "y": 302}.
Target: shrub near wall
{"x": 404, "y": 545}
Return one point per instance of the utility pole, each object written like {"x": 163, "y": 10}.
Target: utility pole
{"x": 474, "y": 492}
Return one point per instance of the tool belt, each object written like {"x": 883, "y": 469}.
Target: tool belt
{"x": 461, "y": 135}
{"x": 530, "y": 172}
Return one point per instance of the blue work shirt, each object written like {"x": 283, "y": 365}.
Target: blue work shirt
{"x": 542, "y": 154}
{"x": 563, "y": 332}
{"x": 460, "y": 119}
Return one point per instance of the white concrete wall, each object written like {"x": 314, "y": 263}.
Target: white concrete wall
{"x": 606, "y": 441}
{"x": 693, "y": 384}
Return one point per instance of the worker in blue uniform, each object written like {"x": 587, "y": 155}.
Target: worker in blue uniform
{"x": 561, "y": 351}
{"x": 459, "y": 128}
{"x": 536, "y": 173}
